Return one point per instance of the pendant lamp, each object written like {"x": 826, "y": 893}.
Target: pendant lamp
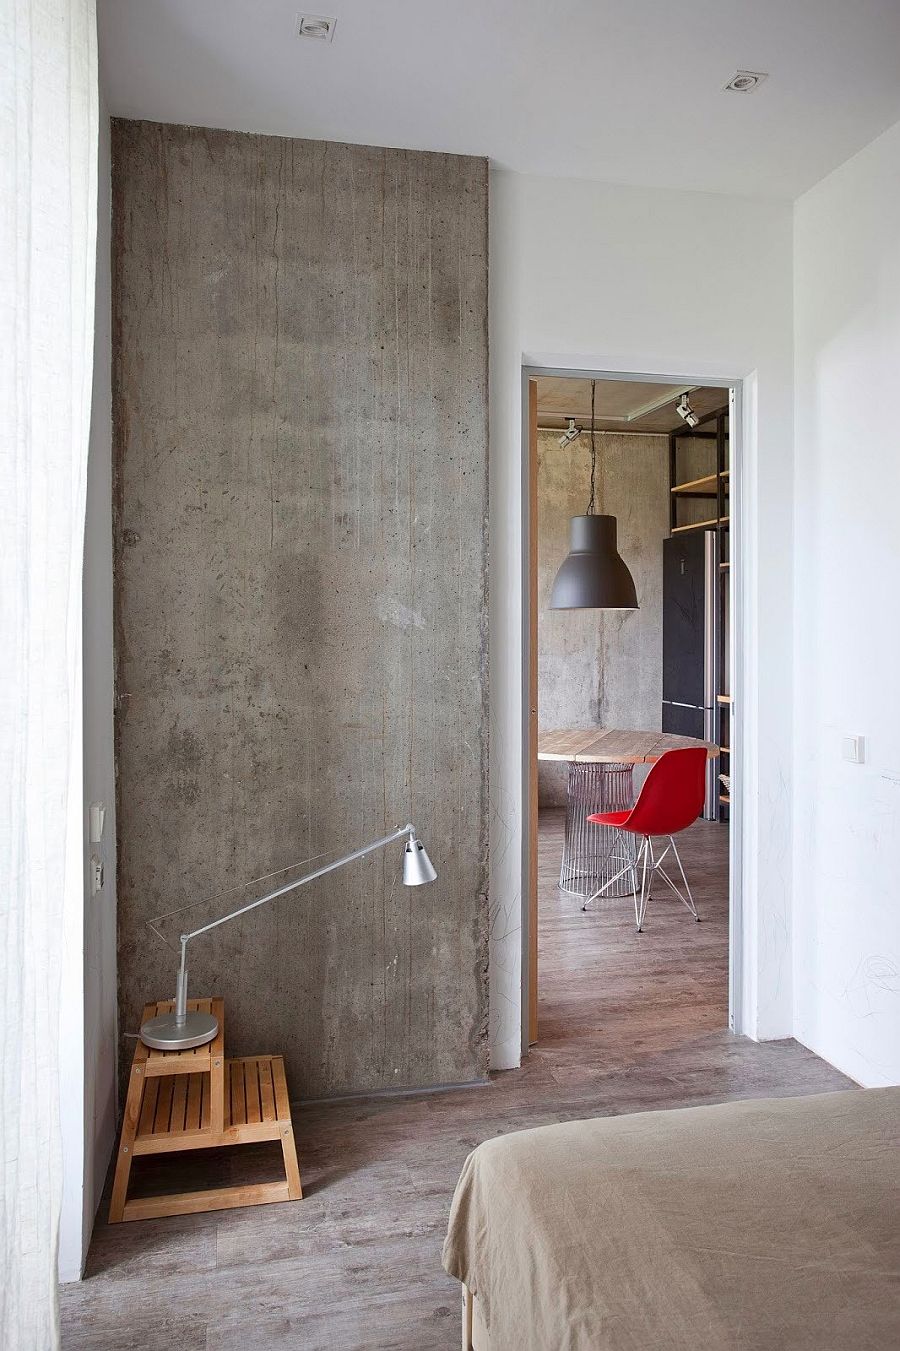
{"x": 593, "y": 575}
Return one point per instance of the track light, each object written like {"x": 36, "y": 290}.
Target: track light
{"x": 572, "y": 433}
{"x": 686, "y": 412}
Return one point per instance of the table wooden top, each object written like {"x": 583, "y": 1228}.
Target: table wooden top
{"x": 609, "y": 746}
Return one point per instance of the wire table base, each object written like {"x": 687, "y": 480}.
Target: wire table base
{"x": 593, "y": 854}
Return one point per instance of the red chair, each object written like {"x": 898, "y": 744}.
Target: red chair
{"x": 671, "y": 800}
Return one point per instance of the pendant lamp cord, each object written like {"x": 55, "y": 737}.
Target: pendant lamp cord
{"x": 590, "y": 510}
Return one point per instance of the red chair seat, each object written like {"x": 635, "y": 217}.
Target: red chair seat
{"x": 671, "y": 798}
{"x": 610, "y": 818}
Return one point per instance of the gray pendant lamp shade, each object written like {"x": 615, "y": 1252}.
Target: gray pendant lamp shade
{"x": 593, "y": 575}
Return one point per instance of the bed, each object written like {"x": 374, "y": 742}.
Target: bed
{"x": 756, "y": 1225}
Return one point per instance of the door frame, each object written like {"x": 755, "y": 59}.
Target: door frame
{"x": 737, "y": 818}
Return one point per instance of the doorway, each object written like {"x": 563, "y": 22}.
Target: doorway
{"x": 665, "y": 459}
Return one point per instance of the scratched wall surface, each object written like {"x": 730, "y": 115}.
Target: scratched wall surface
{"x": 300, "y": 403}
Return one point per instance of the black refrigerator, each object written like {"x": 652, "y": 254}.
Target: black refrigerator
{"x": 691, "y": 643}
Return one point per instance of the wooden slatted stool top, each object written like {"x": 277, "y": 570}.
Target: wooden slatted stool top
{"x": 175, "y": 1112}
{"x": 198, "y": 1058}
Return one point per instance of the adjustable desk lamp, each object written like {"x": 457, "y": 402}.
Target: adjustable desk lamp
{"x": 180, "y": 1030}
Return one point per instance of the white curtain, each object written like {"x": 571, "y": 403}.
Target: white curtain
{"x": 48, "y": 208}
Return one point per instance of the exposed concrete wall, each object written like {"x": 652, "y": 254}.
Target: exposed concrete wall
{"x": 595, "y": 668}
{"x": 301, "y": 472}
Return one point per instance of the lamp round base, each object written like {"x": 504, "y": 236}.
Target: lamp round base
{"x": 164, "y": 1034}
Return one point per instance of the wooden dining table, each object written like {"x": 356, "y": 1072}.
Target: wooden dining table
{"x": 601, "y": 764}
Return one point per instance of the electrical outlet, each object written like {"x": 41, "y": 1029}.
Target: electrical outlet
{"x": 96, "y": 875}
{"x": 98, "y": 820}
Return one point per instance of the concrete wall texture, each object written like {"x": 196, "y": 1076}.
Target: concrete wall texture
{"x": 595, "y": 668}
{"x": 300, "y": 404}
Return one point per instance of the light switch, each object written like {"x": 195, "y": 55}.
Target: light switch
{"x": 853, "y": 748}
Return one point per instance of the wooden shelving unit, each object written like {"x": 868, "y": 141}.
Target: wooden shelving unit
{"x": 712, "y": 487}
{"x": 698, "y": 487}
{"x": 712, "y": 524}
{"x": 198, "y": 1099}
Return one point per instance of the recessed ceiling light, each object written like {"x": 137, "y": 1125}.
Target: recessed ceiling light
{"x": 315, "y": 26}
{"x": 745, "y": 81}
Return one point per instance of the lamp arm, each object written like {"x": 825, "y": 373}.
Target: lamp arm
{"x": 181, "y": 991}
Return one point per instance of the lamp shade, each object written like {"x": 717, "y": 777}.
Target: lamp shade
{"x": 417, "y": 866}
{"x": 592, "y": 575}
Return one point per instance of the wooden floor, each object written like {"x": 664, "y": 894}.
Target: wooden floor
{"x": 628, "y": 1022}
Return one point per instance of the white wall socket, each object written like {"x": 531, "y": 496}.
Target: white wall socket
{"x": 853, "y": 748}
{"x": 98, "y": 820}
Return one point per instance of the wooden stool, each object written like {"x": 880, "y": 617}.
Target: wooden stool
{"x": 197, "y": 1099}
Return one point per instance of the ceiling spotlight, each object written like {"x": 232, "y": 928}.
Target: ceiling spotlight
{"x": 315, "y": 26}
{"x": 572, "y": 433}
{"x": 686, "y": 412}
{"x": 745, "y": 81}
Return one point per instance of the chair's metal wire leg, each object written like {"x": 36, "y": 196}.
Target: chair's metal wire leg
{"x": 607, "y": 858}
{"x": 658, "y": 868}
{"x": 629, "y": 867}
{"x": 650, "y": 865}
{"x": 611, "y": 881}
{"x": 640, "y": 903}
{"x": 658, "y": 862}
{"x": 628, "y": 856}
{"x": 690, "y": 899}
{"x": 670, "y": 884}
{"x": 637, "y": 893}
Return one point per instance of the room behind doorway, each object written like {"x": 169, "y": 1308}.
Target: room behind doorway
{"x": 600, "y": 994}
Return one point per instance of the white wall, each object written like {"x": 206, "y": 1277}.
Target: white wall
{"x": 88, "y": 1090}
{"x": 598, "y": 277}
{"x": 101, "y": 1028}
{"x": 847, "y": 653}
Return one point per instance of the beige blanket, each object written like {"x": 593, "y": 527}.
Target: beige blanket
{"x": 763, "y": 1225}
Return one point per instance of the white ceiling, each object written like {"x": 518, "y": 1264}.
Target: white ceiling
{"x": 626, "y": 91}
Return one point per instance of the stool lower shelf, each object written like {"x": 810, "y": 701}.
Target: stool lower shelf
{"x": 173, "y": 1106}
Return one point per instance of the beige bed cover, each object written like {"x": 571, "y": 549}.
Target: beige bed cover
{"x": 764, "y": 1224}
